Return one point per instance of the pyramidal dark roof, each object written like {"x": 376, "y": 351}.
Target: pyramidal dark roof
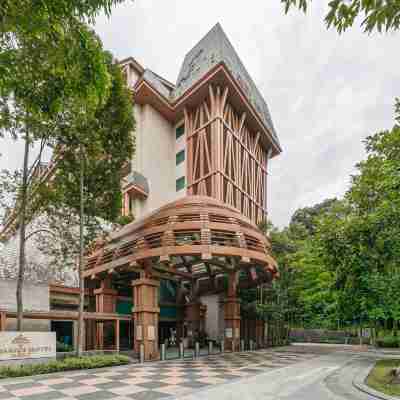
{"x": 213, "y": 49}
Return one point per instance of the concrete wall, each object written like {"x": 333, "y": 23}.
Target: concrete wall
{"x": 213, "y": 316}
{"x": 180, "y": 170}
{"x": 154, "y": 158}
{"x": 35, "y": 298}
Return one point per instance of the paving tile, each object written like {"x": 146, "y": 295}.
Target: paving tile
{"x": 94, "y": 380}
{"x": 56, "y": 381}
{"x": 21, "y": 385}
{"x": 152, "y": 384}
{"x": 100, "y": 395}
{"x": 126, "y": 390}
{"x": 111, "y": 385}
{"x": 175, "y": 390}
{"x": 194, "y": 384}
{"x": 53, "y": 395}
{"x": 60, "y": 386}
{"x": 82, "y": 377}
{"x": 174, "y": 380}
{"x": 136, "y": 381}
{"x": 212, "y": 380}
{"x": 148, "y": 395}
{"x": 29, "y": 391}
{"x": 6, "y": 396}
{"x": 79, "y": 390}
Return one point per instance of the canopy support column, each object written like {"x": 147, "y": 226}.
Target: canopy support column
{"x": 146, "y": 315}
{"x": 106, "y": 300}
{"x": 232, "y": 313}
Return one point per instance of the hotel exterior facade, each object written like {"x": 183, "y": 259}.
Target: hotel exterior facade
{"x": 211, "y": 134}
{"x": 197, "y": 187}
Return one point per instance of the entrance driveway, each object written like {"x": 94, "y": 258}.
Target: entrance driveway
{"x": 231, "y": 375}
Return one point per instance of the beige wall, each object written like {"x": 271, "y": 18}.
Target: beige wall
{"x": 213, "y": 315}
{"x": 154, "y": 158}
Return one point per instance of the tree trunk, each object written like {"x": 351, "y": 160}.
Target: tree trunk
{"x": 22, "y": 238}
{"x": 79, "y": 349}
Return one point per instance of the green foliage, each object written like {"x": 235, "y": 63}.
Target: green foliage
{"x": 63, "y": 347}
{"x": 307, "y": 217}
{"x": 379, "y": 15}
{"x": 108, "y": 143}
{"x": 49, "y": 60}
{"x": 68, "y": 364}
{"x": 388, "y": 342}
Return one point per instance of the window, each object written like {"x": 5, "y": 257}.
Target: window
{"x": 180, "y": 157}
{"x": 180, "y": 130}
{"x": 180, "y": 183}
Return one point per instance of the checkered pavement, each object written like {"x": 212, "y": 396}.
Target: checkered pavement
{"x": 150, "y": 381}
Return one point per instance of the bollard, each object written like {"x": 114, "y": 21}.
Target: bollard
{"x": 210, "y": 347}
{"x": 163, "y": 352}
{"x": 181, "y": 351}
{"x": 242, "y": 345}
{"x": 222, "y": 346}
{"x": 196, "y": 349}
{"x": 251, "y": 345}
{"x": 141, "y": 354}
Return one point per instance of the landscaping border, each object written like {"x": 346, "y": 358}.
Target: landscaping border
{"x": 359, "y": 383}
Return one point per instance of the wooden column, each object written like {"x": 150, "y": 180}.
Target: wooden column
{"x": 259, "y": 332}
{"x": 3, "y": 321}
{"x": 232, "y": 314}
{"x": 146, "y": 315}
{"x": 106, "y": 302}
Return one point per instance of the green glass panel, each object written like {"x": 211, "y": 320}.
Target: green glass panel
{"x": 168, "y": 312}
{"x": 180, "y": 130}
{"x": 124, "y": 307}
{"x": 180, "y": 183}
{"x": 167, "y": 291}
{"x": 180, "y": 157}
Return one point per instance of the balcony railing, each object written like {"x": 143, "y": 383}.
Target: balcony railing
{"x": 137, "y": 182}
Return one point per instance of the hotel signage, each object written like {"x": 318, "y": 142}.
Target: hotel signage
{"x": 25, "y": 345}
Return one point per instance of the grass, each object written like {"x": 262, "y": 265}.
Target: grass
{"x": 68, "y": 364}
{"x": 380, "y": 377}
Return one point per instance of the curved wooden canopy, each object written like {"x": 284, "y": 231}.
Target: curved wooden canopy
{"x": 192, "y": 238}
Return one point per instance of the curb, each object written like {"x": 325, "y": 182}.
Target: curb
{"x": 359, "y": 383}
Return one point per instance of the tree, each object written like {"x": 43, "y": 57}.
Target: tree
{"x": 51, "y": 67}
{"x": 307, "y": 217}
{"x": 362, "y": 247}
{"x": 376, "y": 15}
{"x": 89, "y": 175}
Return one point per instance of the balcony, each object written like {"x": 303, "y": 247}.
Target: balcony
{"x": 135, "y": 182}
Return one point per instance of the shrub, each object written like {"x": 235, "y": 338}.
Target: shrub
{"x": 64, "y": 348}
{"x": 68, "y": 364}
{"x": 388, "y": 342}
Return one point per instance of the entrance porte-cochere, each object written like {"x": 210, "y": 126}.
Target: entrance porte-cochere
{"x": 197, "y": 246}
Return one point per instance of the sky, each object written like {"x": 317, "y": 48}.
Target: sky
{"x": 326, "y": 92}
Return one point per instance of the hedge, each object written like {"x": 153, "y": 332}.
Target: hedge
{"x": 388, "y": 342}
{"x": 68, "y": 364}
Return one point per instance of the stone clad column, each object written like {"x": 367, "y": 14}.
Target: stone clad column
{"x": 195, "y": 313}
{"x": 146, "y": 312}
{"x": 232, "y": 314}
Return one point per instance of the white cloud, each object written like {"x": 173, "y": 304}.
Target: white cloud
{"x": 326, "y": 91}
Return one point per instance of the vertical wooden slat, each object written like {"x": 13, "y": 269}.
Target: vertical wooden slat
{"x": 3, "y": 321}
